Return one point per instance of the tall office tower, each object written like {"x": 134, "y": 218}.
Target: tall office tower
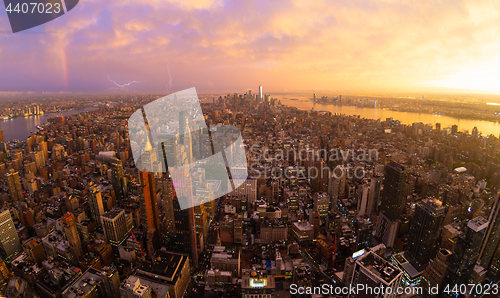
{"x": 261, "y": 95}
{"x": 148, "y": 185}
{"x": 167, "y": 196}
{"x": 183, "y": 124}
{"x": 392, "y": 204}
{"x": 364, "y": 232}
{"x": 185, "y": 219}
{"x": 9, "y": 240}
{"x": 475, "y": 132}
{"x": 375, "y": 187}
{"x": 71, "y": 233}
{"x": 14, "y": 185}
{"x": 435, "y": 273}
{"x": 118, "y": 179}
{"x": 466, "y": 252}
{"x": 429, "y": 215}
{"x": 438, "y": 127}
{"x": 95, "y": 204}
{"x": 320, "y": 175}
{"x": 491, "y": 241}
{"x": 1, "y": 137}
{"x": 363, "y": 200}
{"x": 114, "y": 224}
{"x": 374, "y": 273}
{"x": 393, "y": 193}
{"x": 249, "y": 96}
{"x": 187, "y": 142}
{"x": 38, "y": 157}
{"x": 454, "y": 129}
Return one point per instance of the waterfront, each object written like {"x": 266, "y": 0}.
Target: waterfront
{"x": 21, "y": 128}
{"x": 484, "y": 127}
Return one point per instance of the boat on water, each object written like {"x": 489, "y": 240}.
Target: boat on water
{"x": 5, "y": 117}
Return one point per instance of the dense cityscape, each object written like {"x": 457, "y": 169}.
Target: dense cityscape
{"x": 330, "y": 202}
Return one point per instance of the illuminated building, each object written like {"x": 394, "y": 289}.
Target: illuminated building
{"x": 114, "y": 224}
{"x": 95, "y": 204}
{"x": 14, "y": 185}
{"x": 71, "y": 233}
{"x": 435, "y": 273}
{"x": 374, "y": 272}
{"x": 422, "y": 238}
{"x": 257, "y": 284}
{"x": 466, "y": 252}
{"x": 169, "y": 269}
{"x": 9, "y": 240}
{"x": 118, "y": 179}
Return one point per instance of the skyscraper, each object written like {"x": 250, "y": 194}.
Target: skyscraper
{"x": 466, "y": 252}
{"x": 185, "y": 219}
{"x": 492, "y": 237}
{"x": 167, "y": 196}
{"x": 9, "y": 240}
{"x": 393, "y": 193}
{"x": 392, "y": 203}
{"x": 118, "y": 179}
{"x": 14, "y": 184}
{"x": 148, "y": 185}
{"x": 115, "y": 228}
{"x": 71, "y": 232}
{"x": 261, "y": 96}
{"x": 95, "y": 204}
{"x": 429, "y": 215}
{"x": 374, "y": 272}
{"x": 149, "y": 189}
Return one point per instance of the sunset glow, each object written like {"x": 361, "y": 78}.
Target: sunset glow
{"x": 291, "y": 45}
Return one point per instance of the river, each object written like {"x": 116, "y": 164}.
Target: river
{"x": 21, "y": 128}
{"x": 484, "y": 127}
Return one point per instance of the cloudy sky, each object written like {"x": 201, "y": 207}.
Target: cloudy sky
{"x": 285, "y": 45}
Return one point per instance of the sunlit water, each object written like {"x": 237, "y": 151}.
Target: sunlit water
{"x": 485, "y": 127}
{"x": 21, "y": 128}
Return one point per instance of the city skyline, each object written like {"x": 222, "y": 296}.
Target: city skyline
{"x": 377, "y": 46}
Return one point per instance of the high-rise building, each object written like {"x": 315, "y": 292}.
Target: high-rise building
{"x": 167, "y": 197}
{"x": 438, "y": 127}
{"x": 14, "y": 185}
{"x": 466, "y": 252}
{"x": 429, "y": 215}
{"x": 374, "y": 273}
{"x": 71, "y": 233}
{"x": 374, "y": 198}
{"x": 454, "y": 129}
{"x": 261, "y": 95}
{"x": 114, "y": 224}
{"x": 118, "y": 179}
{"x": 394, "y": 188}
{"x": 148, "y": 185}
{"x": 435, "y": 273}
{"x": 149, "y": 189}
{"x": 95, "y": 204}
{"x": 185, "y": 219}
{"x": 9, "y": 240}
{"x": 492, "y": 237}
